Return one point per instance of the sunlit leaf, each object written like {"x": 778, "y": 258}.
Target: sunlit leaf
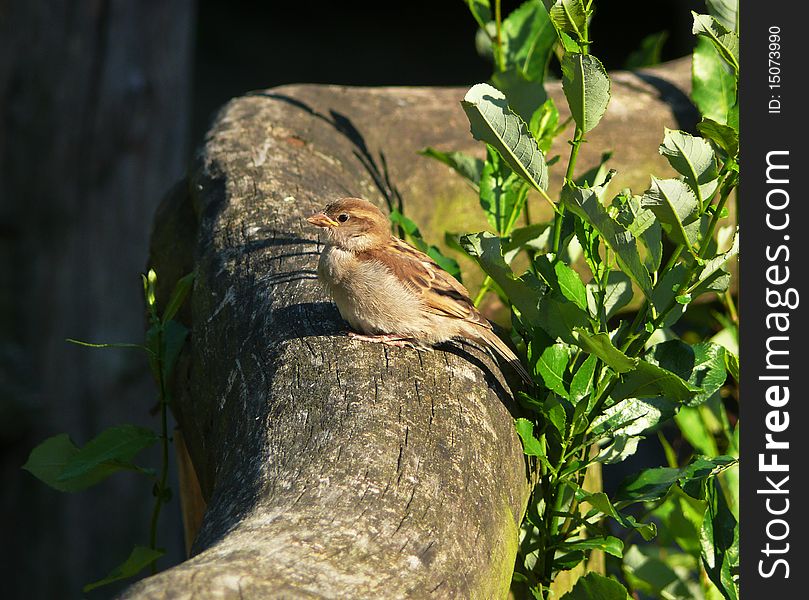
{"x": 690, "y": 156}
{"x": 531, "y": 445}
{"x": 585, "y": 204}
{"x": 552, "y": 366}
{"x": 713, "y": 87}
{"x": 601, "y": 346}
{"x": 493, "y": 122}
{"x": 525, "y": 292}
{"x": 587, "y": 88}
{"x": 468, "y": 167}
{"x": 726, "y": 42}
{"x": 675, "y": 206}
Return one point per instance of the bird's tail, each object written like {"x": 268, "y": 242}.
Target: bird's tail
{"x": 491, "y": 339}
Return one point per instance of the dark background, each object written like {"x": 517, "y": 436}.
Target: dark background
{"x": 101, "y": 105}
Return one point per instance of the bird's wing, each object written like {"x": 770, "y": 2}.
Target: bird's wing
{"x": 439, "y": 291}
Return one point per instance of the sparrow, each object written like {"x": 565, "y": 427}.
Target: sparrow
{"x": 390, "y": 292}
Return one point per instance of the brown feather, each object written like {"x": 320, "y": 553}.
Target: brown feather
{"x": 439, "y": 291}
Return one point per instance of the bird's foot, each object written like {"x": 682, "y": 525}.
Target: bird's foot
{"x": 388, "y": 339}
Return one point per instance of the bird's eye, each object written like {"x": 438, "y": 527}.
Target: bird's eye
{"x": 343, "y": 218}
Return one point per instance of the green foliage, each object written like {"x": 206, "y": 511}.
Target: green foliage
{"x": 59, "y": 463}
{"x": 593, "y": 586}
{"x": 493, "y": 122}
{"x": 602, "y": 381}
{"x": 648, "y": 54}
{"x": 587, "y": 88}
{"x": 140, "y": 558}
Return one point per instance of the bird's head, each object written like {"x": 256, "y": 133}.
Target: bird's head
{"x": 353, "y": 224}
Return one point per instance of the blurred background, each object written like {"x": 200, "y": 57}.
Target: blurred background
{"x": 102, "y": 103}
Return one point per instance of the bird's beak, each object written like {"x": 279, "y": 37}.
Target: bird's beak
{"x": 322, "y": 220}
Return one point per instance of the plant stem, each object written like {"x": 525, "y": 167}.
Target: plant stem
{"x": 484, "y": 287}
{"x": 571, "y": 166}
{"x": 160, "y": 490}
{"x": 728, "y": 185}
{"x": 501, "y": 63}
{"x": 727, "y": 300}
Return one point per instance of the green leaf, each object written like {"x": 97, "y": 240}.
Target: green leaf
{"x": 600, "y": 174}
{"x": 695, "y": 432}
{"x": 532, "y": 237}
{"x": 681, "y": 517}
{"x": 653, "y": 484}
{"x": 570, "y": 285}
{"x": 648, "y": 54}
{"x": 660, "y": 573}
{"x": 140, "y": 558}
{"x": 690, "y": 156}
{"x": 559, "y": 317}
{"x": 531, "y": 445}
{"x": 732, "y": 364}
{"x": 568, "y": 43}
{"x": 178, "y": 296}
{"x": 723, "y": 136}
{"x": 568, "y": 16}
{"x": 564, "y": 562}
{"x": 675, "y": 206}
{"x": 528, "y": 37}
{"x": 600, "y": 502}
{"x": 587, "y": 88}
{"x": 725, "y": 11}
{"x": 585, "y": 204}
{"x": 493, "y": 122}
{"x": 47, "y": 461}
{"x": 481, "y": 11}
{"x": 618, "y": 450}
{"x": 556, "y": 416}
{"x": 594, "y": 586}
{"x": 525, "y": 293}
{"x": 108, "y": 452}
{"x": 643, "y": 225}
{"x": 665, "y": 291}
{"x": 609, "y": 544}
{"x": 468, "y": 167}
{"x": 624, "y": 424}
{"x": 719, "y": 540}
{"x": 601, "y": 346}
{"x": 544, "y": 124}
{"x": 726, "y": 42}
{"x": 501, "y": 192}
{"x": 702, "y": 365}
{"x": 552, "y": 366}
{"x": 618, "y": 293}
{"x": 714, "y": 267}
{"x": 631, "y": 418}
{"x": 713, "y": 87}
{"x": 648, "y": 380}
{"x": 582, "y": 383}
{"x": 523, "y": 95}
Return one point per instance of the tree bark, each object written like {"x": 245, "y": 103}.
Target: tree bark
{"x": 335, "y": 468}
{"x": 94, "y": 112}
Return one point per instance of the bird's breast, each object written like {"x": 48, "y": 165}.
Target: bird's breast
{"x": 369, "y": 296}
